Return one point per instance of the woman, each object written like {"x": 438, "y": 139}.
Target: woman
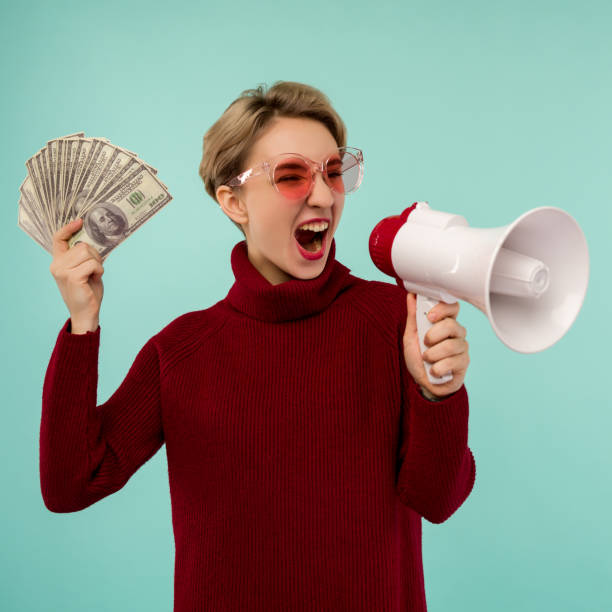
{"x": 303, "y": 437}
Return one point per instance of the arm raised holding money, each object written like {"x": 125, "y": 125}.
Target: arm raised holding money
{"x": 78, "y": 274}
{"x": 88, "y": 451}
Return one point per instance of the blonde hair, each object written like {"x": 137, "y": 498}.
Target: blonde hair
{"x": 229, "y": 140}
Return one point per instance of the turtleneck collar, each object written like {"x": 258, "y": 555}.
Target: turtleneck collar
{"x": 256, "y": 297}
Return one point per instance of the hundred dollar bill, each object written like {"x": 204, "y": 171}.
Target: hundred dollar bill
{"x": 29, "y": 226}
{"x": 110, "y": 187}
{"x": 29, "y": 220}
{"x": 85, "y": 153}
{"x": 120, "y": 210}
{"x": 109, "y": 166}
{"x": 73, "y": 156}
{"x": 31, "y": 187}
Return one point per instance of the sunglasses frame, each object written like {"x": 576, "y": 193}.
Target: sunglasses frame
{"x": 269, "y": 166}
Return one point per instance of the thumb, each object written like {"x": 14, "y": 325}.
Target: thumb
{"x": 411, "y": 324}
{"x": 60, "y": 238}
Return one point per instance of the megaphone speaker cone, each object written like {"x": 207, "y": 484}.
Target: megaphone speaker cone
{"x": 532, "y": 323}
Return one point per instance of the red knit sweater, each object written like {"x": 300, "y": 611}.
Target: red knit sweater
{"x": 301, "y": 454}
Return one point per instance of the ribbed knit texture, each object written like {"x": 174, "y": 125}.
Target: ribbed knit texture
{"x": 301, "y": 454}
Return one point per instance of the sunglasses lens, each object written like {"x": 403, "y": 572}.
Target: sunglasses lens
{"x": 292, "y": 177}
{"x": 344, "y": 174}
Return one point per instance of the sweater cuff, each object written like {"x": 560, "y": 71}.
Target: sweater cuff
{"x": 447, "y": 415}
{"x": 419, "y": 395}
{"x": 75, "y": 350}
{"x": 67, "y": 328}
{"x": 432, "y": 398}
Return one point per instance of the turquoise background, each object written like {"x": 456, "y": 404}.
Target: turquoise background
{"x": 485, "y": 109}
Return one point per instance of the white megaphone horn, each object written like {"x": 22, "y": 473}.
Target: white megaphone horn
{"x": 529, "y": 277}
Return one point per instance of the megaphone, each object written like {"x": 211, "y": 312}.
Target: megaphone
{"x": 529, "y": 277}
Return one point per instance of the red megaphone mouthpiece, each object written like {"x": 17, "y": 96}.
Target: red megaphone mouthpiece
{"x": 381, "y": 241}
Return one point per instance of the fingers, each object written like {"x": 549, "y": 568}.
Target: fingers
{"x": 69, "y": 260}
{"x": 456, "y": 364}
{"x": 447, "y": 328}
{"x": 80, "y": 252}
{"x": 61, "y": 237}
{"x": 447, "y": 348}
{"x": 411, "y": 326}
{"x": 88, "y": 267}
{"x": 442, "y": 310}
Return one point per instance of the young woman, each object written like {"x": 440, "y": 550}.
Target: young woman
{"x": 304, "y": 439}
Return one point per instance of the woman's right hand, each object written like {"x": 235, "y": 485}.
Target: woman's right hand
{"x": 78, "y": 274}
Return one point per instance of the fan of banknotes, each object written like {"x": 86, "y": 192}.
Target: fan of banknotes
{"x": 72, "y": 177}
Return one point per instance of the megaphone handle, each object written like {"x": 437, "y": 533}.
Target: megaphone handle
{"x": 423, "y": 306}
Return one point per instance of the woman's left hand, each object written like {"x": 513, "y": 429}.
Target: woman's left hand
{"x": 447, "y": 348}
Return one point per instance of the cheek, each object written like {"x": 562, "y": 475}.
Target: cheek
{"x": 339, "y": 208}
{"x": 272, "y": 225}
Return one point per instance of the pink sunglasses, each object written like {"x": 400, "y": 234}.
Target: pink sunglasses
{"x": 292, "y": 174}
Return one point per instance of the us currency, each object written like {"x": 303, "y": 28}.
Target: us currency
{"x": 118, "y": 211}
{"x": 110, "y": 187}
{"x": 30, "y": 224}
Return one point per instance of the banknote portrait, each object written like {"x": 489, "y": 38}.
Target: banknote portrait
{"x": 106, "y": 224}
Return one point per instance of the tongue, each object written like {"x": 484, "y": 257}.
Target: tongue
{"x": 304, "y": 236}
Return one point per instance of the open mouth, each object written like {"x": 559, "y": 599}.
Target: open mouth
{"x": 311, "y": 238}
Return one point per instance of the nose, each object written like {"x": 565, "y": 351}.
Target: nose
{"x": 321, "y": 193}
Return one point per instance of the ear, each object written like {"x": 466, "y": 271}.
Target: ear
{"x": 231, "y": 205}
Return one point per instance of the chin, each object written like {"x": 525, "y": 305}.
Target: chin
{"x": 309, "y": 275}
{"x": 312, "y": 271}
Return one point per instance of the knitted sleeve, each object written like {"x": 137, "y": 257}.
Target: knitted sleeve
{"x": 87, "y": 451}
{"x": 437, "y": 469}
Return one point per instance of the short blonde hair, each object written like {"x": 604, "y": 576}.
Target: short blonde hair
{"x": 229, "y": 140}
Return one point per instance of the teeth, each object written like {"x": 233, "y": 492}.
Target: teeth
{"x": 315, "y": 227}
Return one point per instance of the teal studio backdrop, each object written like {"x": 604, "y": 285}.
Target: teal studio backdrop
{"x": 485, "y": 109}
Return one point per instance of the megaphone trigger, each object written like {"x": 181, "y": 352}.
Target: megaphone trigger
{"x": 423, "y": 306}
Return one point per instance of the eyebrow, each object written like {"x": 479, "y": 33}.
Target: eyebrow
{"x": 328, "y": 157}
{"x": 289, "y": 164}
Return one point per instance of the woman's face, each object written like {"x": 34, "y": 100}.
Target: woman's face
{"x": 272, "y": 220}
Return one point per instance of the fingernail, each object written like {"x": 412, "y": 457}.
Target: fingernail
{"x": 431, "y": 316}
